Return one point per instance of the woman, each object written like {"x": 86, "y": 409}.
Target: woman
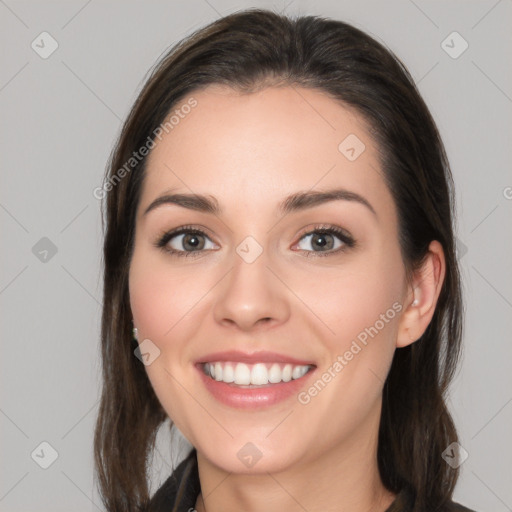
{"x": 280, "y": 237}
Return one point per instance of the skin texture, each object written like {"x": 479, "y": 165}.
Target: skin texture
{"x": 250, "y": 152}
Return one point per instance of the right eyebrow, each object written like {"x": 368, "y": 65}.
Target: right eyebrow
{"x": 195, "y": 202}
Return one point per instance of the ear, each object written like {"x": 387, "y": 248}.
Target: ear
{"x": 422, "y": 296}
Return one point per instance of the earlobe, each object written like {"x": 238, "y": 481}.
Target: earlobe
{"x": 407, "y": 332}
{"x": 425, "y": 291}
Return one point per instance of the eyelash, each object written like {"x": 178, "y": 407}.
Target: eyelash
{"x": 348, "y": 241}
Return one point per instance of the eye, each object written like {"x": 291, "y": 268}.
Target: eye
{"x": 327, "y": 239}
{"x": 185, "y": 241}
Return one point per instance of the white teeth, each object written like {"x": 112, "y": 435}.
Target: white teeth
{"x": 299, "y": 371}
{"x": 228, "y": 374}
{"x": 274, "y": 375}
{"x": 242, "y": 374}
{"x": 287, "y": 373}
{"x": 258, "y": 374}
{"x": 218, "y": 371}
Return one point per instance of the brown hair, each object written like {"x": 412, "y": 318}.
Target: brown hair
{"x": 247, "y": 51}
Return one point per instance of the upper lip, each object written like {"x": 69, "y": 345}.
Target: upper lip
{"x": 254, "y": 357}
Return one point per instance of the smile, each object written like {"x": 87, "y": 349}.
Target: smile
{"x": 259, "y": 374}
{"x": 253, "y": 386}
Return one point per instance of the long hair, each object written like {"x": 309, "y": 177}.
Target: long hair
{"x": 250, "y": 50}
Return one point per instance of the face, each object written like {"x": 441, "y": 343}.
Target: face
{"x": 314, "y": 286}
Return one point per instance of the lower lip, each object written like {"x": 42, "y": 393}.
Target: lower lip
{"x": 253, "y": 398}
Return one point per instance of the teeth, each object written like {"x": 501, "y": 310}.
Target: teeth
{"x": 257, "y": 374}
{"x": 217, "y": 374}
{"x": 228, "y": 374}
{"x": 242, "y": 374}
{"x": 274, "y": 374}
{"x": 296, "y": 372}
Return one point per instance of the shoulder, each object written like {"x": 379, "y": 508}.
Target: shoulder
{"x": 457, "y": 507}
{"x": 405, "y": 502}
{"x": 181, "y": 488}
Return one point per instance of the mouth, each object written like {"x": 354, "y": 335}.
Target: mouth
{"x": 256, "y": 375}
{"x": 255, "y": 383}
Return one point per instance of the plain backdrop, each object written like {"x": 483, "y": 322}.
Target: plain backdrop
{"x": 60, "y": 115}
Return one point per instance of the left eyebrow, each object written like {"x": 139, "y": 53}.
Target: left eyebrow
{"x": 303, "y": 200}
{"x": 295, "y": 202}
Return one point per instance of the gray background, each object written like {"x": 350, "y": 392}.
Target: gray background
{"x": 60, "y": 117}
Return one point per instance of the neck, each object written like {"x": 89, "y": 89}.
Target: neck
{"x": 344, "y": 478}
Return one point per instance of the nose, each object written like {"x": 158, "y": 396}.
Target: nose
{"x": 251, "y": 296}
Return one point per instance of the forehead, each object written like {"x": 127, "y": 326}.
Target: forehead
{"x": 263, "y": 146}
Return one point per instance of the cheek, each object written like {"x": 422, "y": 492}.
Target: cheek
{"x": 347, "y": 303}
{"x": 161, "y": 296}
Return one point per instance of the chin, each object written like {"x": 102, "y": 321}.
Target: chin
{"x": 252, "y": 458}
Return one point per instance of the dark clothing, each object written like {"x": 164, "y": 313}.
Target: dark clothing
{"x": 180, "y": 491}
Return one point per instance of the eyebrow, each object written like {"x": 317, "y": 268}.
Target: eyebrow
{"x": 293, "y": 203}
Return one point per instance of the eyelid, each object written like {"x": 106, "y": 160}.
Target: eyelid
{"x": 324, "y": 228}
